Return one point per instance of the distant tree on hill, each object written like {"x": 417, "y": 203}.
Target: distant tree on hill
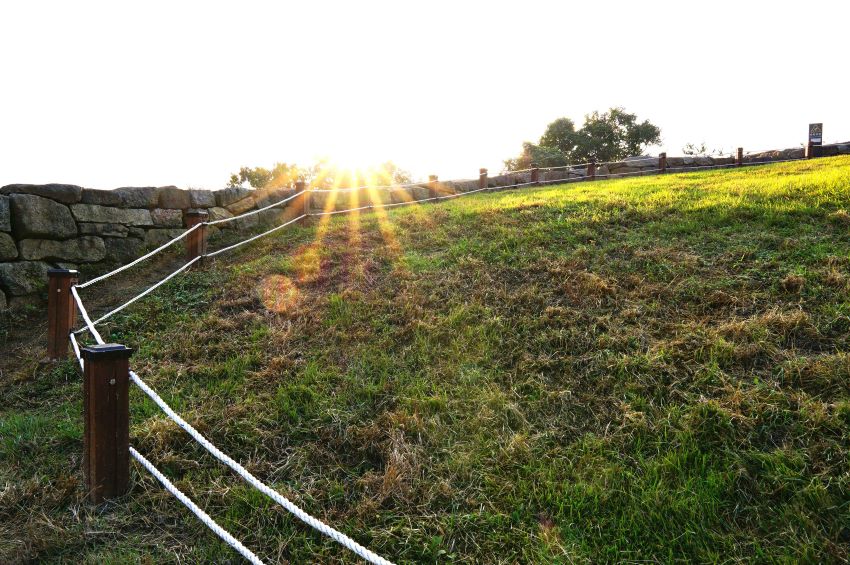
{"x": 279, "y": 176}
{"x": 539, "y": 154}
{"x": 606, "y": 136}
{"x": 321, "y": 174}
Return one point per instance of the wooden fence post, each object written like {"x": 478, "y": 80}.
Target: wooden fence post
{"x": 591, "y": 170}
{"x": 662, "y": 162}
{"x": 299, "y": 186}
{"x": 739, "y": 156}
{"x": 106, "y": 410}
{"x": 535, "y": 173}
{"x": 61, "y": 311}
{"x": 810, "y": 150}
{"x": 196, "y": 242}
{"x": 432, "y": 186}
{"x": 482, "y": 178}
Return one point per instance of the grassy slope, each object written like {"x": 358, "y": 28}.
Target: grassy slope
{"x": 647, "y": 369}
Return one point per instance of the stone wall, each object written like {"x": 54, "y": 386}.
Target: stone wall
{"x": 67, "y": 226}
{"x": 61, "y": 225}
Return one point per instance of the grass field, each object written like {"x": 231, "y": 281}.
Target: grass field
{"x": 648, "y": 369}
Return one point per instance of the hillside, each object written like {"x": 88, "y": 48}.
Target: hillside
{"x": 652, "y": 368}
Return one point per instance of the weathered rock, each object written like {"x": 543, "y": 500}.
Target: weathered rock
{"x": 105, "y": 214}
{"x": 675, "y": 161}
{"x": 167, "y": 218}
{"x": 642, "y": 161}
{"x": 108, "y": 229}
{"x": 398, "y": 195}
{"x": 23, "y": 277}
{"x": 603, "y": 171}
{"x": 123, "y": 250}
{"x": 34, "y": 216}
{"x": 86, "y": 249}
{"x": 137, "y": 196}
{"x": 217, "y": 213}
{"x": 173, "y": 198}
{"x": 247, "y": 223}
{"x": 65, "y": 193}
{"x": 242, "y": 206}
{"x": 272, "y": 196}
{"x": 271, "y": 216}
{"x": 199, "y": 198}
{"x": 3, "y": 304}
{"x": 420, "y": 192}
{"x": 136, "y": 232}
{"x": 228, "y": 196}
{"x": 65, "y": 265}
{"x": 101, "y": 197}
{"x": 157, "y": 236}
{"x": 625, "y": 171}
{"x": 5, "y": 218}
{"x": 8, "y": 250}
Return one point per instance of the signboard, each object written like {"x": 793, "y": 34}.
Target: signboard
{"x": 816, "y": 134}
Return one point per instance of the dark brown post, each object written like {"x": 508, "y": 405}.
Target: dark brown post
{"x": 482, "y": 178}
{"x": 535, "y": 173}
{"x": 810, "y": 150}
{"x": 299, "y": 186}
{"x": 662, "y": 162}
{"x": 739, "y": 156}
{"x": 106, "y": 410}
{"x": 432, "y": 185}
{"x": 591, "y": 171}
{"x": 61, "y": 311}
{"x": 196, "y": 242}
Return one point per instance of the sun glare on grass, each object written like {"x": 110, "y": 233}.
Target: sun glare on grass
{"x": 278, "y": 293}
{"x": 341, "y": 187}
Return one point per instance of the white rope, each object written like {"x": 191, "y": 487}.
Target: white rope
{"x": 256, "y": 483}
{"x": 145, "y": 292}
{"x": 76, "y": 348}
{"x": 258, "y": 236}
{"x": 85, "y": 315}
{"x": 202, "y": 516}
{"x": 140, "y": 259}
{"x": 257, "y": 211}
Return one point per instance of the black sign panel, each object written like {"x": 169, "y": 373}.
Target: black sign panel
{"x": 815, "y": 134}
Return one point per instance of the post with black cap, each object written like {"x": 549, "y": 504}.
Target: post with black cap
{"x": 61, "y": 311}
{"x": 106, "y": 410}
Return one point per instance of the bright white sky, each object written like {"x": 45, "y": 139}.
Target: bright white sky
{"x": 107, "y": 94}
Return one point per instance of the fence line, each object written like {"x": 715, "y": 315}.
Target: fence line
{"x": 202, "y": 516}
{"x": 257, "y": 211}
{"x": 336, "y": 535}
{"x": 320, "y": 526}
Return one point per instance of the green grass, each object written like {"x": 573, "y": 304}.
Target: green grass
{"x": 648, "y": 369}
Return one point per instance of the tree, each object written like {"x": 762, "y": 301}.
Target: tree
{"x": 613, "y": 135}
{"x": 607, "y": 136}
{"x": 536, "y": 154}
{"x": 321, "y": 174}
{"x": 280, "y": 176}
{"x": 560, "y": 135}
